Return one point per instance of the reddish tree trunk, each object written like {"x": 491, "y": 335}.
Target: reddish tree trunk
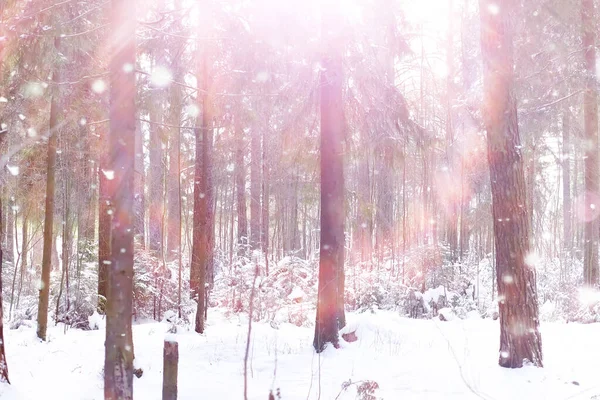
{"x": 520, "y": 337}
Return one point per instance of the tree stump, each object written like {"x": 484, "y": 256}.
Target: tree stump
{"x": 170, "y": 361}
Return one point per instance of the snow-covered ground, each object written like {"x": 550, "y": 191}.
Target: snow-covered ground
{"x": 409, "y": 359}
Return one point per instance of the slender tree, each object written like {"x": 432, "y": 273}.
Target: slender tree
{"x": 240, "y": 182}
{"x": 201, "y": 246}
{"x": 42, "y": 318}
{"x": 3, "y": 362}
{"x": 520, "y": 337}
{"x": 118, "y": 364}
{"x": 590, "y": 118}
{"x": 255, "y": 154}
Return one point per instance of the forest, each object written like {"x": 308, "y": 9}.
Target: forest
{"x": 299, "y": 199}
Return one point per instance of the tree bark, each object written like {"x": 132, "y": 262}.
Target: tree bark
{"x": 566, "y": 183}
{"x": 240, "y": 184}
{"x": 139, "y": 185}
{"x": 330, "y": 311}
{"x": 255, "y": 182}
{"x": 118, "y": 363}
{"x": 42, "y": 319}
{"x": 3, "y": 362}
{"x": 364, "y": 229}
{"x": 104, "y": 222}
{"x": 264, "y": 238}
{"x": 173, "y": 184}
{"x": 453, "y": 203}
{"x": 520, "y": 337}
{"x": 202, "y": 221}
{"x": 590, "y": 118}
{"x": 155, "y": 184}
{"x": 170, "y": 365}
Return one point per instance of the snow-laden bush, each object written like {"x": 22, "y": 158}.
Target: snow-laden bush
{"x": 287, "y": 294}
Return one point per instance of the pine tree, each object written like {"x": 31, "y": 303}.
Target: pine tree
{"x": 520, "y": 337}
{"x": 118, "y": 364}
{"x": 330, "y": 310}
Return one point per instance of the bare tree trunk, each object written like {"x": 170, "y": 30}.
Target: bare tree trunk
{"x": 156, "y": 178}
{"x": 170, "y": 367}
{"x": 255, "y": 181}
{"x": 10, "y": 238}
{"x": 3, "y": 362}
{"x": 240, "y": 184}
{"x": 566, "y": 184}
{"x": 452, "y": 206}
{"x": 520, "y": 337}
{"x": 104, "y": 222}
{"x": 330, "y": 305}
{"x": 173, "y": 183}
{"x": 139, "y": 184}
{"x": 590, "y": 117}
{"x": 202, "y": 207}
{"x": 364, "y": 236}
{"x": 66, "y": 243}
{"x": 384, "y": 212}
{"x": 42, "y": 319}
{"x": 265, "y": 201}
{"x": 118, "y": 363}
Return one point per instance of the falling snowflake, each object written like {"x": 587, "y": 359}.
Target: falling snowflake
{"x": 192, "y": 110}
{"x": 99, "y": 86}
{"x": 109, "y": 174}
{"x": 161, "y": 77}
{"x": 13, "y": 169}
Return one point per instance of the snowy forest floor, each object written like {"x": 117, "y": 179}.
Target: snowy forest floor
{"x": 409, "y": 359}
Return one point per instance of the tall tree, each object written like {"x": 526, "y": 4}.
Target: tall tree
{"x": 330, "y": 305}
{"x": 240, "y": 180}
{"x": 3, "y": 362}
{"x": 566, "y": 182}
{"x": 203, "y": 229}
{"x": 520, "y": 337}
{"x": 173, "y": 183}
{"x": 104, "y": 221}
{"x": 118, "y": 363}
{"x": 590, "y": 118}
{"x": 42, "y": 318}
{"x": 255, "y": 182}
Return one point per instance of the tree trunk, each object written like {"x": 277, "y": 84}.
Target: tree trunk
{"x": 173, "y": 184}
{"x": 364, "y": 236}
{"x": 155, "y": 184}
{"x": 265, "y": 201}
{"x": 566, "y": 184}
{"x": 170, "y": 365}
{"x": 139, "y": 185}
{"x": 201, "y": 241}
{"x": 3, "y": 362}
{"x": 105, "y": 214}
{"x": 42, "y": 319}
{"x": 255, "y": 181}
{"x": 330, "y": 311}
{"x": 10, "y": 238}
{"x": 118, "y": 363}
{"x": 590, "y": 117}
{"x": 520, "y": 337}
{"x": 452, "y": 207}
{"x": 240, "y": 184}
{"x": 66, "y": 243}
{"x": 384, "y": 215}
